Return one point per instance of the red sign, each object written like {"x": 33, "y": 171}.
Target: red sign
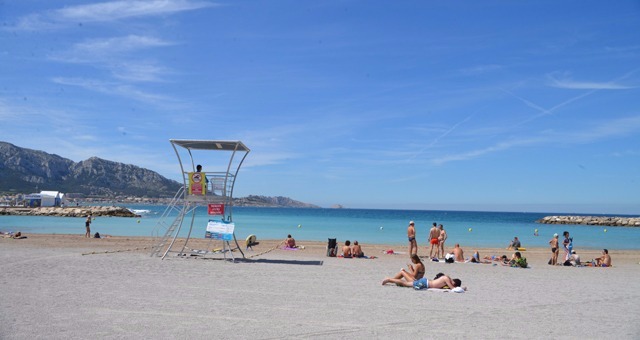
{"x": 216, "y": 209}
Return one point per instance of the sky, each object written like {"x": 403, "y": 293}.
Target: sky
{"x": 456, "y": 105}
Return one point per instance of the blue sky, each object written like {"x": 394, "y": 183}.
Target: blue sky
{"x": 481, "y": 105}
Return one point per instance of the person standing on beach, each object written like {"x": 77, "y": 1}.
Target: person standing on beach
{"x": 568, "y": 245}
{"x": 441, "y": 239}
{"x": 555, "y": 250}
{"x": 434, "y": 233}
{"x": 411, "y": 235}
{"x": 87, "y": 225}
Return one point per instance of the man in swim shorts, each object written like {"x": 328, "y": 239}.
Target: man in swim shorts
{"x": 434, "y": 233}
{"x": 411, "y": 235}
{"x": 604, "y": 260}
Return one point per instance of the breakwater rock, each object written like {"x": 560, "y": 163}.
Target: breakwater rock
{"x": 70, "y": 211}
{"x": 592, "y": 220}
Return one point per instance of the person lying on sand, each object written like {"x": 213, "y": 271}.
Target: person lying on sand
{"x": 476, "y": 258}
{"x": 441, "y": 282}
{"x": 503, "y": 258}
{"x": 408, "y": 277}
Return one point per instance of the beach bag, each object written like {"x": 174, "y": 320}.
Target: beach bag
{"x": 96, "y": 235}
{"x": 449, "y": 258}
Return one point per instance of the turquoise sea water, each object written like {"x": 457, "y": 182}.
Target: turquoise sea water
{"x": 368, "y": 226}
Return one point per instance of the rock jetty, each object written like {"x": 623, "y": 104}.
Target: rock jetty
{"x": 592, "y": 220}
{"x": 70, "y": 211}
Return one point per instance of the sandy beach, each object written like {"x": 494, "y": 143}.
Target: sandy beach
{"x": 66, "y": 286}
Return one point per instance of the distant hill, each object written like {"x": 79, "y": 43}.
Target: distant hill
{"x": 22, "y": 170}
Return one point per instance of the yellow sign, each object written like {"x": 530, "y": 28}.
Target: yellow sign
{"x": 197, "y": 183}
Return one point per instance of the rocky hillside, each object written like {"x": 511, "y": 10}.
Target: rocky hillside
{"x": 22, "y": 170}
{"x": 266, "y": 201}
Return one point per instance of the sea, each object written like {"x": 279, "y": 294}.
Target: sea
{"x": 480, "y": 229}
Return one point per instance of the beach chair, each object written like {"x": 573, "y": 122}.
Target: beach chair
{"x": 332, "y": 247}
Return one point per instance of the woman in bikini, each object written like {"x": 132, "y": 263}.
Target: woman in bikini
{"x": 408, "y": 277}
{"x": 555, "y": 250}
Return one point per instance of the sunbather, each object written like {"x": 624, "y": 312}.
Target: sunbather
{"x": 604, "y": 260}
{"x": 408, "y": 277}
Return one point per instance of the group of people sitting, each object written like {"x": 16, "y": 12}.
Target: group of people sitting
{"x": 352, "y": 250}
{"x": 602, "y": 261}
{"x": 414, "y": 277}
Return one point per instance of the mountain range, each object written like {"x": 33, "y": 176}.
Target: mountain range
{"x": 25, "y": 170}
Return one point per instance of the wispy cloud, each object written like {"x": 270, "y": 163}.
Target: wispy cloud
{"x": 565, "y": 82}
{"x": 103, "y": 49}
{"x": 115, "y": 88}
{"x": 105, "y": 12}
{"x": 612, "y": 129}
{"x": 480, "y": 69}
{"x": 115, "y": 55}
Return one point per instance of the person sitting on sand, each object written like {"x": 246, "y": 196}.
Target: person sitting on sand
{"x": 356, "y": 250}
{"x": 346, "y": 249}
{"x": 517, "y": 261}
{"x": 18, "y": 235}
{"x": 574, "y": 259}
{"x": 515, "y": 244}
{"x": 290, "y": 242}
{"x": 604, "y": 260}
{"x": 458, "y": 253}
{"x": 408, "y": 278}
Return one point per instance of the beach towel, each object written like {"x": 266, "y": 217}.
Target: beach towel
{"x": 289, "y": 248}
{"x": 446, "y": 290}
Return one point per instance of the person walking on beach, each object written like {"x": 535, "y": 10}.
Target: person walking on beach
{"x": 411, "y": 235}
{"x": 555, "y": 250}
{"x": 441, "y": 239}
{"x": 434, "y": 233}
{"x": 87, "y": 225}
{"x": 567, "y": 244}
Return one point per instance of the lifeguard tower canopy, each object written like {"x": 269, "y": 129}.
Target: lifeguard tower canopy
{"x": 210, "y": 145}
{"x": 220, "y": 169}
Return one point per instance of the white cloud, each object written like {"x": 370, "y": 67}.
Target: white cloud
{"x": 115, "y": 88}
{"x": 105, "y": 12}
{"x": 617, "y": 128}
{"x": 568, "y": 83}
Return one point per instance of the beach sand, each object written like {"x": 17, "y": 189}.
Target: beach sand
{"x": 51, "y": 290}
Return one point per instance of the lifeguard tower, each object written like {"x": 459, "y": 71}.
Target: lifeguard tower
{"x": 207, "y": 183}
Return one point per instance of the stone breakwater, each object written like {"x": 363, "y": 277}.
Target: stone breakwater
{"x": 592, "y": 220}
{"x": 70, "y": 211}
